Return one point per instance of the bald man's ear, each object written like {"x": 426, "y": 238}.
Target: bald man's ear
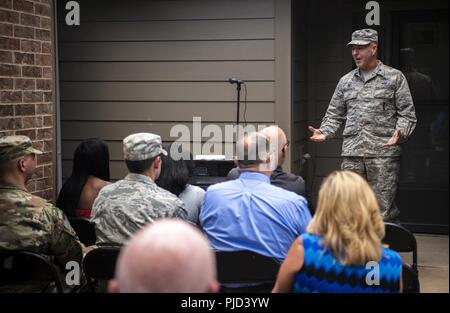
{"x": 214, "y": 287}
{"x": 113, "y": 286}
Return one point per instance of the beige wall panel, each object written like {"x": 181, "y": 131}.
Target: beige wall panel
{"x": 116, "y": 151}
{"x": 165, "y": 111}
{"x": 167, "y": 51}
{"x": 117, "y": 169}
{"x": 118, "y": 10}
{"x": 171, "y": 30}
{"x": 167, "y": 71}
{"x": 283, "y": 69}
{"x": 147, "y": 65}
{"x": 163, "y": 91}
{"x": 119, "y": 130}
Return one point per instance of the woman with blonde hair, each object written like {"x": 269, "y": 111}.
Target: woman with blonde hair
{"x": 342, "y": 249}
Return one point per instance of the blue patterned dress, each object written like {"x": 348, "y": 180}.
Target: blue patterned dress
{"x": 322, "y": 272}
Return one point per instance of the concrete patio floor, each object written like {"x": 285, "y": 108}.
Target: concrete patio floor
{"x": 433, "y": 262}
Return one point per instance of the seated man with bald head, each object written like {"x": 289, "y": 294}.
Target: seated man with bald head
{"x": 249, "y": 213}
{"x": 278, "y": 178}
{"x": 166, "y": 256}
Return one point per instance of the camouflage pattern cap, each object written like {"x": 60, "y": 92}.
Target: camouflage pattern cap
{"x": 363, "y": 37}
{"x": 12, "y": 147}
{"x": 142, "y": 146}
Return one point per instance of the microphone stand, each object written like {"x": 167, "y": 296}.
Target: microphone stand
{"x": 238, "y": 87}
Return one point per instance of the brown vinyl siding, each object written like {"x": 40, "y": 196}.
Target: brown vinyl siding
{"x": 149, "y": 65}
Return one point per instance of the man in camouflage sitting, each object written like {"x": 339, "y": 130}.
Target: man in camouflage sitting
{"x": 124, "y": 207}
{"x": 28, "y": 222}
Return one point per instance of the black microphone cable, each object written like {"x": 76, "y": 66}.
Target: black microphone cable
{"x": 245, "y": 104}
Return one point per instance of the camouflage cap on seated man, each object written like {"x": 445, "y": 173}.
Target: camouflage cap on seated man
{"x": 12, "y": 147}
{"x": 142, "y": 146}
{"x": 363, "y": 37}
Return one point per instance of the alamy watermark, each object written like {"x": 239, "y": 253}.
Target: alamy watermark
{"x": 373, "y": 276}
{"x": 211, "y": 139}
{"x": 73, "y": 16}
{"x": 373, "y": 17}
{"x": 73, "y": 274}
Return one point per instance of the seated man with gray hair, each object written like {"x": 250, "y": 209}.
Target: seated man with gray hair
{"x": 249, "y": 213}
{"x": 124, "y": 207}
{"x": 279, "y": 177}
{"x": 166, "y": 256}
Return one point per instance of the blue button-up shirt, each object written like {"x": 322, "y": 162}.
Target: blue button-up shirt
{"x": 251, "y": 214}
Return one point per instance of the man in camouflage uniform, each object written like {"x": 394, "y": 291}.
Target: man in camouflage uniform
{"x": 124, "y": 207}
{"x": 375, "y": 102}
{"x": 28, "y": 222}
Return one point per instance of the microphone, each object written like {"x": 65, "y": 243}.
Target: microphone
{"x": 235, "y": 81}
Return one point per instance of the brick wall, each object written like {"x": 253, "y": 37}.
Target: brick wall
{"x": 26, "y": 71}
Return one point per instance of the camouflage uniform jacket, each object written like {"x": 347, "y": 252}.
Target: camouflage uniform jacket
{"x": 28, "y": 222}
{"x": 125, "y": 206}
{"x": 373, "y": 110}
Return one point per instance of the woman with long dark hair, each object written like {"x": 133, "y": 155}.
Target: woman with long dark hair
{"x": 174, "y": 177}
{"x": 90, "y": 173}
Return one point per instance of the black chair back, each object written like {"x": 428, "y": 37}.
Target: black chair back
{"x": 410, "y": 279}
{"x": 100, "y": 264}
{"x": 85, "y": 230}
{"x": 18, "y": 267}
{"x": 399, "y": 239}
{"x": 246, "y": 270}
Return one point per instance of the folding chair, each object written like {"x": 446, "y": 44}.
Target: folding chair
{"x": 26, "y": 268}
{"x": 399, "y": 239}
{"x": 245, "y": 271}
{"x": 85, "y": 230}
{"x": 410, "y": 279}
{"x": 99, "y": 265}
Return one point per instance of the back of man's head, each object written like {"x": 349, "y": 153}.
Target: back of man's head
{"x": 278, "y": 138}
{"x": 141, "y": 152}
{"x": 254, "y": 151}
{"x": 139, "y": 167}
{"x": 166, "y": 256}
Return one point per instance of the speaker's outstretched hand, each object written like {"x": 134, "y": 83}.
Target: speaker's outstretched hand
{"x": 317, "y": 135}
